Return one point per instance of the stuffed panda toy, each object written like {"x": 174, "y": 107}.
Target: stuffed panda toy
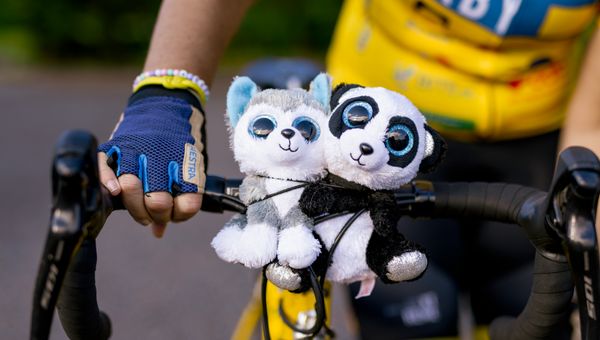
{"x": 376, "y": 140}
{"x": 276, "y": 137}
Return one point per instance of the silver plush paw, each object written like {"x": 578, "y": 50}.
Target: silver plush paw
{"x": 283, "y": 277}
{"x": 406, "y": 266}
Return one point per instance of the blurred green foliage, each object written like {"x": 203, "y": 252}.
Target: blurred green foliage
{"x": 288, "y": 28}
{"x": 111, "y": 31}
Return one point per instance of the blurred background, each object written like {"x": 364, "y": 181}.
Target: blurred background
{"x": 111, "y": 32}
{"x": 68, "y": 64}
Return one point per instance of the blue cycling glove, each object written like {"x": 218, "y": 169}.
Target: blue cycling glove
{"x": 159, "y": 138}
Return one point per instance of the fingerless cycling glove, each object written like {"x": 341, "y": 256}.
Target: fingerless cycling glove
{"x": 160, "y": 139}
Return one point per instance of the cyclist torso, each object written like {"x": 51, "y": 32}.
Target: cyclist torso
{"x": 478, "y": 69}
{"x": 478, "y": 73}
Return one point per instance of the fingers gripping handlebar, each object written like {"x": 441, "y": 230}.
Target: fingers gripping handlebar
{"x": 562, "y": 217}
{"x": 220, "y": 195}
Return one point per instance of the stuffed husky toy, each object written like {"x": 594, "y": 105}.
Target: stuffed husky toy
{"x": 276, "y": 137}
{"x": 375, "y": 141}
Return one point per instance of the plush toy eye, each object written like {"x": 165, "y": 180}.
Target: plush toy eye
{"x": 262, "y": 126}
{"x": 357, "y": 114}
{"x": 308, "y": 128}
{"x": 399, "y": 140}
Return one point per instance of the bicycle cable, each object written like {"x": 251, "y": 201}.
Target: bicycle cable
{"x": 316, "y": 286}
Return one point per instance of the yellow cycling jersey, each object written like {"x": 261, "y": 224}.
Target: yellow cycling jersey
{"x": 478, "y": 69}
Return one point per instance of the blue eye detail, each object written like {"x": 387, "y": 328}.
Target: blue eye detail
{"x": 262, "y": 126}
{"x": 308, "y": 128}
{"x": 357, "y": 114}
{"x": 399, "y": 140}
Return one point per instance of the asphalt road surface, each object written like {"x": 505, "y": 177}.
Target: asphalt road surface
{"x": 173, "y": 288}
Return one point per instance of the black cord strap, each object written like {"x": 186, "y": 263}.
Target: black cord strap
{"x": 319, "y": 308}
{"x": 302, "y": 185}
{"x": 279, "y": 193}
{"x": 317, "y": 287}
{"x": 263, "y": 300}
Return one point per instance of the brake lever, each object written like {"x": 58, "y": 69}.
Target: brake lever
{"x": 77, "y": 212}
{"x": 571, "y": 215}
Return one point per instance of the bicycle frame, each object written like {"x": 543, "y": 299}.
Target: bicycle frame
{"x": 560, "y": 224}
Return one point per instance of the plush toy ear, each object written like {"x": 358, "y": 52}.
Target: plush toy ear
{"x": 435, "y": 150}
{"x": 320, "y": 89}
{"x": 339, "y": 91}
{"x": 240, "y": 92}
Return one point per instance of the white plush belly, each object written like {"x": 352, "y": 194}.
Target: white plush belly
{"x": 284, "y": 202}
{"x": 349, "y": 259}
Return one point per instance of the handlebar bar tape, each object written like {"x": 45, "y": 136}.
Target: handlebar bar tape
{"x": 548, "y": 304}
{"x": 499, "y": 202}
{"x": 77, "y": 305}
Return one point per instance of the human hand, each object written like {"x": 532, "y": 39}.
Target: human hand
{"x": 155, "y": 157}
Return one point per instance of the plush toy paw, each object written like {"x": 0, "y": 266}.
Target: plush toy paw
{"x": 257, "y": 245}
{"x": 283, "y": 277}
{"x": 253, "y": 246}
{"x": 407, "y": 266}
{"x": 225, "y": 243}
{"x": 297, "y": 247}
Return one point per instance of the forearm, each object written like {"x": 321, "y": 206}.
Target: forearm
{"x": 582, "y": 123}
{"x": 193, "y": 34}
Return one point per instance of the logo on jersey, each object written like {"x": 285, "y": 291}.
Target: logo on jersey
{"x": 510, "y": 17}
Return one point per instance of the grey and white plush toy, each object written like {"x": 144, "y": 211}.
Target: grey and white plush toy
{"x": 276, "y": 138}
{"x": 376, "y": 141}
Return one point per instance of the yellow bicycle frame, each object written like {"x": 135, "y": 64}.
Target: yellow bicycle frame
{"x": 299, "y": 308}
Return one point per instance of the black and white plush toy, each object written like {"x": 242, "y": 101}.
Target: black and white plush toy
{"x": 276, "y": 137}
{"x": 376, "y": 140}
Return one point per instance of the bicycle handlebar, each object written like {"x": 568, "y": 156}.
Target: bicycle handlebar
{"x": 548, "y": 218}
{"x": 78, "y": 213}
{"x": 552, "y": 286}
{"x": 548, "y": 303}
{"x": 77, "y": 305}
{"x": 500, "y": 202}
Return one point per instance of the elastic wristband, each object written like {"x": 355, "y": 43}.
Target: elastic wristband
{"x": 159, "y": 91}
{"x": 173, "y": 79}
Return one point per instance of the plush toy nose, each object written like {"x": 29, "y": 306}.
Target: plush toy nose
{"x": 365, "y": 148}
{"x": 288, "y": 133}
